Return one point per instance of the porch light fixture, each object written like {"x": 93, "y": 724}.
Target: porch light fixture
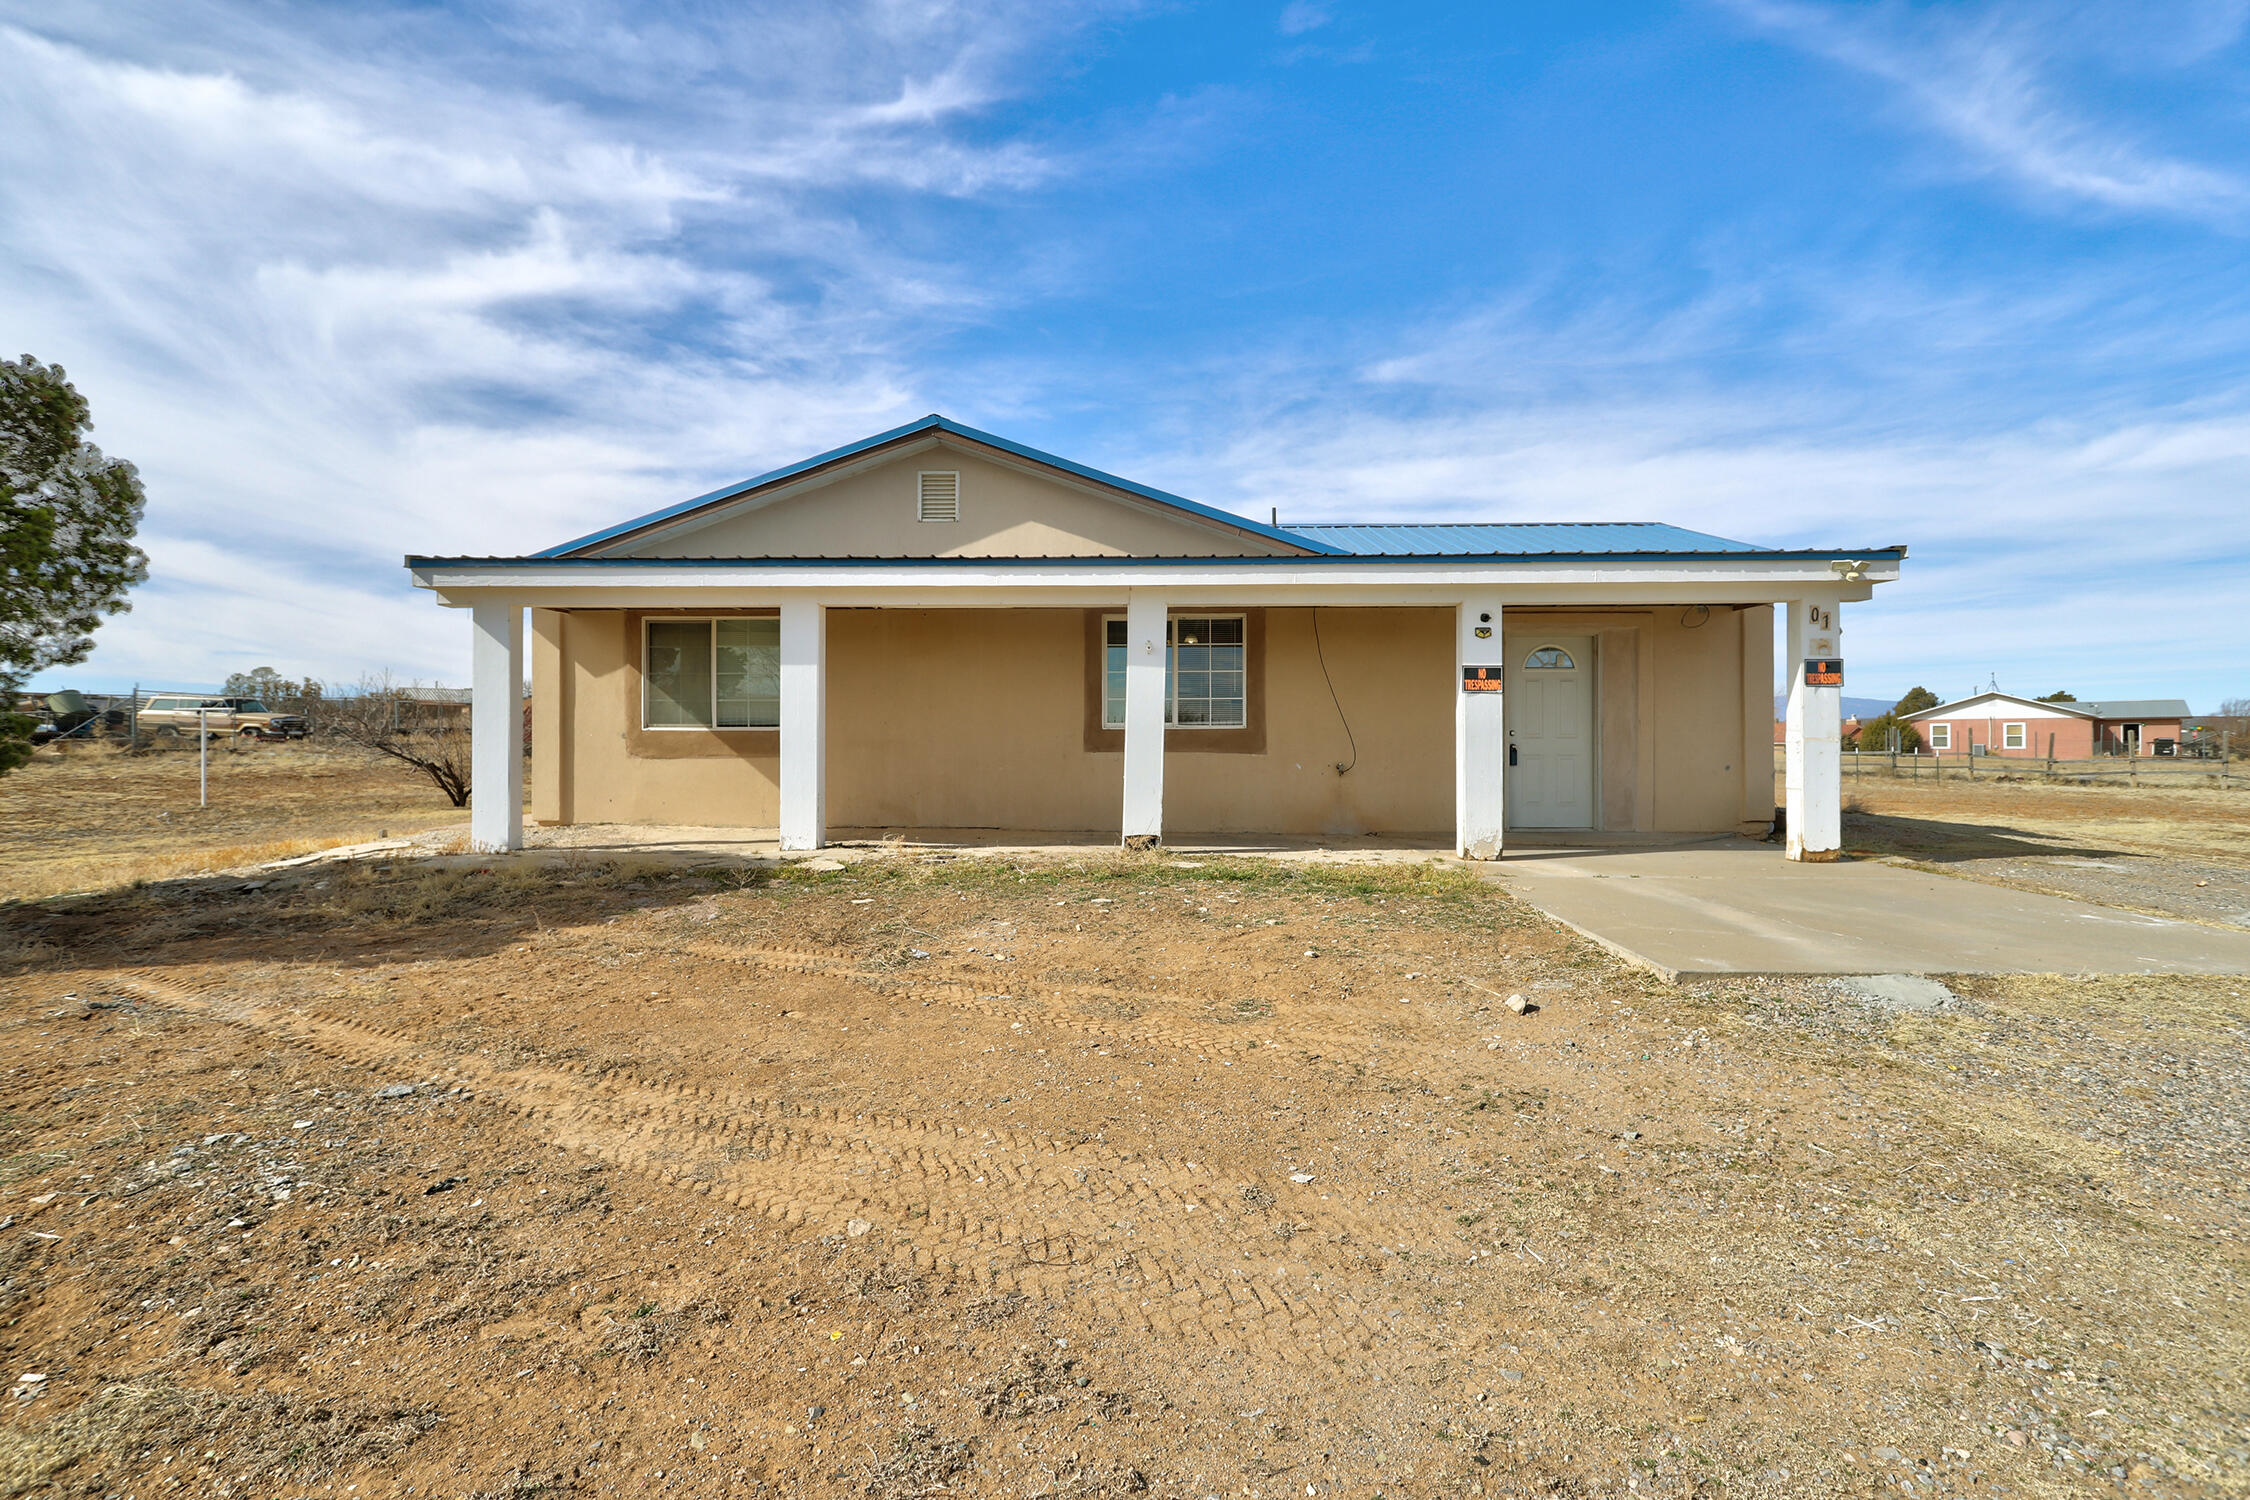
{"x": 1848, "y": 569}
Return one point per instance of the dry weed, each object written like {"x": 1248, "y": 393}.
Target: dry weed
{"x": 254, "y": 1438}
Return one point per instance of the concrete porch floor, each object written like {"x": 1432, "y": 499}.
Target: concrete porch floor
{"x": 847, "y": 845}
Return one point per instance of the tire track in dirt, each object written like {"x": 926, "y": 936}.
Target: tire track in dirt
{"x": 1151, "y": 1242}
{"x": 951, "y": 988}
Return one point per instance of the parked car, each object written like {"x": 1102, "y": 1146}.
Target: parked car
{"x": 68, "y": 715}
{"x": 173, "y": 714}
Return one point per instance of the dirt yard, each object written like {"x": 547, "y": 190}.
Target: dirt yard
{"x": 84, "y": 817}
{"x": 1125, "y": 1176}
{"x": 2175, "y": 851}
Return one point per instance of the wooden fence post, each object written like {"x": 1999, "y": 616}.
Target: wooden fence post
{"x": 2050, "y": 757}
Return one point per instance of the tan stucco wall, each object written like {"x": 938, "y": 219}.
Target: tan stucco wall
{"x": 975, "y": 719}
{"x": 598, "y": 778}
{"x": 1698, "y": 744}
{"x": 1395, "y": 679}
{"x": 1005, "y": 512}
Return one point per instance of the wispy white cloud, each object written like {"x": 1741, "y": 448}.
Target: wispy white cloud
{"x": 357, "y": 282}
{"x": 2035, "y": 526}
{"x": 349, "y": 284}
{"x": 1986, "y": 76}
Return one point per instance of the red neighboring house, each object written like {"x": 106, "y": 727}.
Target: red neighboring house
{"x": 2003, "y": 724}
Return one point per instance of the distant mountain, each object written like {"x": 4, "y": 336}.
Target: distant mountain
{"x": 1854, "y": 708}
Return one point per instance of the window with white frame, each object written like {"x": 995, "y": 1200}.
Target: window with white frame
{"x": 2011, "y": 736}
{"x": 1204, "y": 672}
{"x": 1941, "y": 736}
{"x": 711, "y": 674}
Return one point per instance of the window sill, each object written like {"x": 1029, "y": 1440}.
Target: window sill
{"x": 698, "y": 744}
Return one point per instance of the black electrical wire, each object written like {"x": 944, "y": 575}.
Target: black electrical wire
{"x": 1341, "y": 768}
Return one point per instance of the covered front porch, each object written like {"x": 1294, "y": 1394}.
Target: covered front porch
{"x": 1059, "y": 713}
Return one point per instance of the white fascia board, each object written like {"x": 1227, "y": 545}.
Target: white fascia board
{"x": 1067, "y": 581}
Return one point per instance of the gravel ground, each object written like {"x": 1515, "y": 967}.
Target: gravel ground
{"x": 1160, "y": 1177}
{"x": 2192, "y": 889}
{"x": 2172, "y": 851}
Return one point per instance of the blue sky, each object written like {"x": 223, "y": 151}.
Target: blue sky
{"x": 349, "y": 282}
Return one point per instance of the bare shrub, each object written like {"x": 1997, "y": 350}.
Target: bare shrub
{"x": 400, "y": 722}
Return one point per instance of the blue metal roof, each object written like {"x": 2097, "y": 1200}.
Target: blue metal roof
{"x": 1052, "y": 560}
{"x": 1477, "y": 541}
{"x": 936, "y": 423}
{"x": 1518, "y": 539}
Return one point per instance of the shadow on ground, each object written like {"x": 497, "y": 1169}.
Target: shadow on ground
{"x": 1944, "y": 842}
{"x": 368, "y": 913}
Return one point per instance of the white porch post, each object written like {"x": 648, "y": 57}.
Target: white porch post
{"x": 804, "y": 725}
{"x": 1146, "y": 659}
{"x": 496, "y": 728}
{"x": 1480, "y": 733}
{"x": 1813, "y": 766}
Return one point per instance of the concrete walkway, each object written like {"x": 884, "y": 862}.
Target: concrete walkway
{"x": 1731, "y": 906}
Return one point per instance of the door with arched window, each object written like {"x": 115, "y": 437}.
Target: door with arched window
{"x": 1550, "y": 712}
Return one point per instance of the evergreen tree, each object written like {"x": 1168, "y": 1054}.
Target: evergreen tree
{"x": 1914, "y": 702}
{"x": 68, "y": 513}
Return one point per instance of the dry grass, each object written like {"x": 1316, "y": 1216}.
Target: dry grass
{"x": 1641, "y": 1233}
{"x": 1993, "y": 817}
{"x": 94, "y": 816}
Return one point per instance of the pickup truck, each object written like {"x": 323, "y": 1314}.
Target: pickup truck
{"x": 173, "y": 714}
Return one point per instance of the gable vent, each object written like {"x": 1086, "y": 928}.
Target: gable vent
{"x": 940, "y": 498}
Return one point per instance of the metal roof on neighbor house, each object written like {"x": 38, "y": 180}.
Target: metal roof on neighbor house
{"x": 2138, "y": 708}
{"x": 1519, "y": 539}
{"x": 2114, "y": 708}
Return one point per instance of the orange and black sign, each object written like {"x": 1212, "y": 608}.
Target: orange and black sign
{"x": 1480, "y": 679}
{"x": 1823, "y": 673}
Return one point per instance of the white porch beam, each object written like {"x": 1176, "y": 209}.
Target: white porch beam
{"x": 496, "y": 728}
{"x": 1812, "y": 762}
{"x": 1146, "y": 660}
{"x": 804, "y": 725}
{"x": 1480, "y": 730}
{"x": 1080, "y": 583}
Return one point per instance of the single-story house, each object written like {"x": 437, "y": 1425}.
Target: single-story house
{"x": 939, "y": 628}
{"x": 1996, "y": 723}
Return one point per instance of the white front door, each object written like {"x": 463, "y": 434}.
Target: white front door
{"x": 1550, "y": 708}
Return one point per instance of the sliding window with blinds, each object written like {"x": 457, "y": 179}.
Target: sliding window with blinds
{"x": 712, "y": 674}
